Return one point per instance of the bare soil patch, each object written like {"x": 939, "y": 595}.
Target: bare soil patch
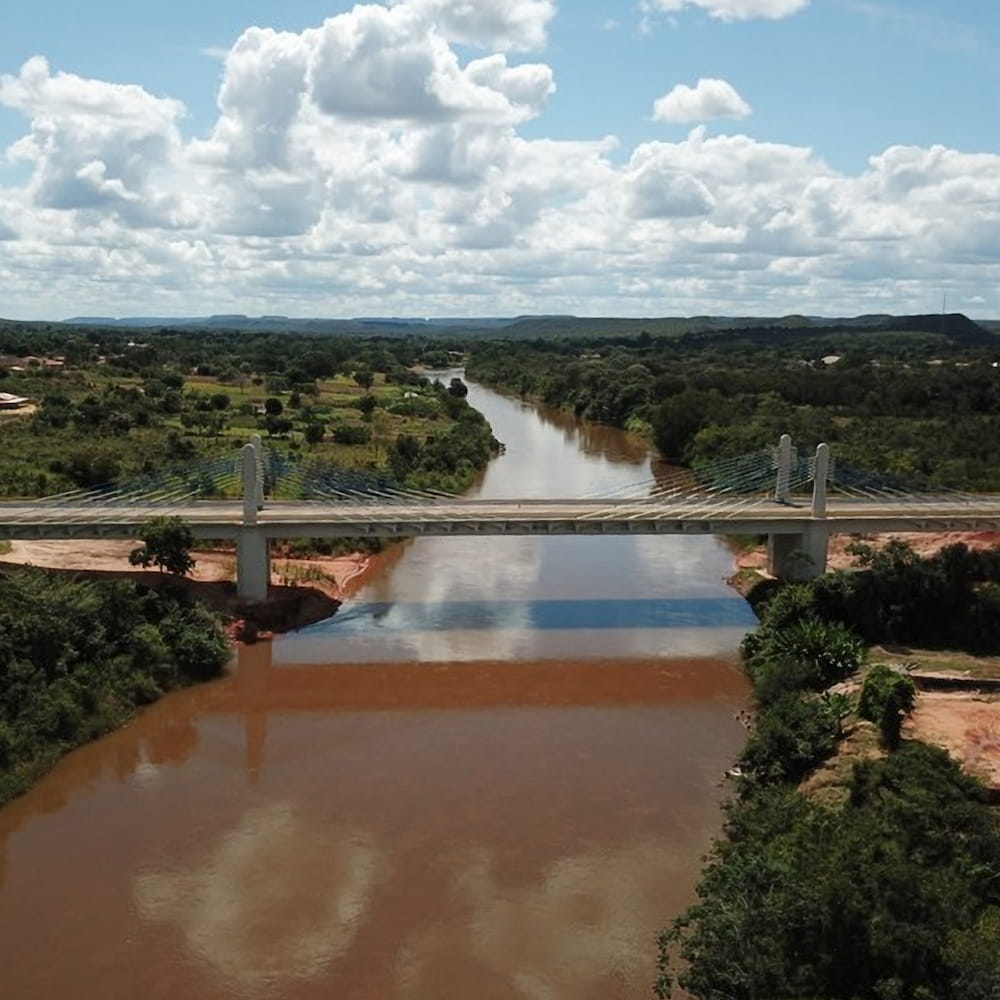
{"x": 302, "y": 591}
{"x": 335, "y": 576}
{"x": 967, "y": 726}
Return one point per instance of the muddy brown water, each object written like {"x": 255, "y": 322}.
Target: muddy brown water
{"x": 492, "y": 775}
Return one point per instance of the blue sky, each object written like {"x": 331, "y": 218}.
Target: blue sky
{"x": 435, "y": 157}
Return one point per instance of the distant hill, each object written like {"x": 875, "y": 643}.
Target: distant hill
{"x": 952, "y": 328}
{"x": 388, "y": 325}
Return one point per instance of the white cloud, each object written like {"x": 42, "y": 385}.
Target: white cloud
{"x": 218, "y": 52}
{"x": 368, "y": 165}
{"x": 501, "y": 25}
{"x": 379, "y": 63}
{"x": 94, "y": 145}
{"x": 733, "y": 10}
{"x": 657, "y": 191}
{"x": 710, "y": 98}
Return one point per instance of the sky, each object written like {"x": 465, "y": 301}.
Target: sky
{"x": 499, "y": 157}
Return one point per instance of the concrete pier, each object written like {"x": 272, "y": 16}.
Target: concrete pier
{"x": 799, "y": 556}
{"x": 253, "y": 563}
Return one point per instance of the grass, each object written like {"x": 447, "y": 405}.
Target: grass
{"x": 292, "y": 575}
{"x": 744, "y": 544}
{"x": 940, "y": 661}
{"x": 829, "y": 783}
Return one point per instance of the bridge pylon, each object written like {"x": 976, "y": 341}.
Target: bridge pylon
{"x": 783, "y": 487}
{"x": 802, "y": 554}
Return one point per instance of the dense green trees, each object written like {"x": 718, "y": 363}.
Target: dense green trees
{"x": 884, "y": 898}
{"x": 949, "y": 600}
{"x": 77, "y": 657}
{"x": 894, "y": 894}
{"x": 922, "y": 408}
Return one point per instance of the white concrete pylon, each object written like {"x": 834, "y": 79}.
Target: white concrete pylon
{"x": 258, "y": 449}
{"x": 250, "y": 485}
{"x": 783, "y": 487}
{"x": 820, "y": 473}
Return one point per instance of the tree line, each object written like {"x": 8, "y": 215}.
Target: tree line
{"x": 77, "y": 657}
{"x": 890, "y": 889}
{"x": 917, "y": 403}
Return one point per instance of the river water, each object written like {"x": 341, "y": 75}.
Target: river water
{"x": 491, "y": 776}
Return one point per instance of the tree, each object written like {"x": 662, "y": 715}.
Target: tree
{"x": 367, "y": 404}
{"x": 314, "y": 432}
{"x": 165, "y": 544}
{"x": 273, "y": 407}
{"x": 887, "y": 696}
{"x": 277, "y": 426}
{"x": 364, "y": 376}
{"x": 381, "y": 428}
{"x": 458, "y": 388}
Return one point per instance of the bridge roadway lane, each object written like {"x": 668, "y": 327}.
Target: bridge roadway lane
{"x": 681, "y": 515}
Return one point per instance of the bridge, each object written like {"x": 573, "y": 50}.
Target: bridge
{"x": 257, "y": 496}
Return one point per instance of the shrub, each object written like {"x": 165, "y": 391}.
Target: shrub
{"x": 804, "y": 654}
{"x": 886, "y": 697}
{"x": 351, "y": 434}
{"x": 790, "y": 737}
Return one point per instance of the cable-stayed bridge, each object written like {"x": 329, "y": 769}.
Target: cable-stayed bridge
{"x": 257, "y": 495}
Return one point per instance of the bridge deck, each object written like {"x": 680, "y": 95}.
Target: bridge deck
{"x": 281, "y": 519}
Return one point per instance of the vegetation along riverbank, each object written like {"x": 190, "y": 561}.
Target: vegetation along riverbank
{"x": 79, "y": 656}
{"x": 107, "y": 408}
{"x": 914, "y": 398}
{"x": 857, "y": 860}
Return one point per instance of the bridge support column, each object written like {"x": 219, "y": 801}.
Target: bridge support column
{"x": 800, "y": 556}
{"x": 253, "y": 564}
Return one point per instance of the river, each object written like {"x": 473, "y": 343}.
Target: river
{"x": 491, "y": 776}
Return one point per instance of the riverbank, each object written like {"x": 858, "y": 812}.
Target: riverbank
{"x": 924, "y": 544}
{"x": 958, "y": 704}
{"x": 302, "y": 591}
{"x": 860, "y": 843}
{"x": 81, "y": 657}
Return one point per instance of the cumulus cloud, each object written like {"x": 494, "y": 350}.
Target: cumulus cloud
{"x": 379, "y": 63}
{"x": 733, "y": 10}
{"x": 501, "y": 25}
{"x": 319, "y": 127}
{"x": 370, "y": 164}
{"x": 656, "y": 190}
{"x": 710, "y": 98}
{"x": 94, "y": 145}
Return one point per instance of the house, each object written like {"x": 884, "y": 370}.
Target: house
{"x": 8, "y": 401}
